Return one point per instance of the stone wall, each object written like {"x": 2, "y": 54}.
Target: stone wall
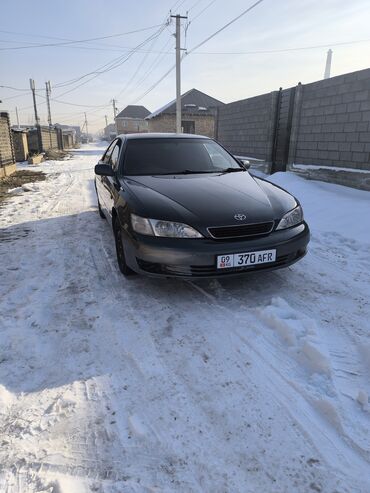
{"x": 6, "y": 145}
{"x": 333, "y": 128}
{"x": 245, "y": 127}
{"x": 328, "y": 124}
{"x": 204, "y": 125}
{"x": 49, "y": 140}
{"x": 131, "y": 125}
{"x": 20, "y": 145}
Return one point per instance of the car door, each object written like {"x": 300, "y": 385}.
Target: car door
{"x": 110, "y": 183}
{"x": 99, "y": 180}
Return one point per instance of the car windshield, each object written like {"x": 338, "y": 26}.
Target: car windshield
{"x": 176, "y": 156}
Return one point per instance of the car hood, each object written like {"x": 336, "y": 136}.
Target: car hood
{"x": 209, "y": 199}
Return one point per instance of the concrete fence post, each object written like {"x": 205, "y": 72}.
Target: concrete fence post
{"x": 271, "y": 130}
{"x": 217, "y": 118}
{"x": 295, "y": 125}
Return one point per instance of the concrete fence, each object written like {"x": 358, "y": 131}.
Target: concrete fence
{"x": 323, "y": 125}
{"x": 7, "y": 159}
{"x": 43, "y": 138}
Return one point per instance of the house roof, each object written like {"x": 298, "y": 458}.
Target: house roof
{"x": 193, "y": 101}
{"x": 133, "y": 111}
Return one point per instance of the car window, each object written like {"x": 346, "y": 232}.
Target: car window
{"x": 108, "y": 152}
{"x": 175, "y": 155}
{"x": 219, "y": 157}
{"x": 114, "y": 156}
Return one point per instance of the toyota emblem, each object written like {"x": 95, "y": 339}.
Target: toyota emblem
{"x": 240, "y": 217}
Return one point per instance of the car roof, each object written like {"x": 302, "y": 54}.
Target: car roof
{"x": 161, "y": 136}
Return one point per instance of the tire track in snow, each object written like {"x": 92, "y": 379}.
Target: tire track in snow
{"x": 349, "y": 454}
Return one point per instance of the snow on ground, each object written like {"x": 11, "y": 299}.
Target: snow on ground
{"x": 108, "y": 385}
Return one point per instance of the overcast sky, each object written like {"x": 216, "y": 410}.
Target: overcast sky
{"x": 272, "y": 25}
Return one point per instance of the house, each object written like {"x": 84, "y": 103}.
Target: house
{"x": 73, "y": 132}
{"x": 132, "y": 120}
{"x": 198, "y": 115}
{"x": 110, "y": 132}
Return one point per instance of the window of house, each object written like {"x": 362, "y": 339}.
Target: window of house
{"x": 188, "y": 126}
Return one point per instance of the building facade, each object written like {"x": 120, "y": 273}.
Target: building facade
{"x": 198, "y": 115}
{"x": 132, "y": 120}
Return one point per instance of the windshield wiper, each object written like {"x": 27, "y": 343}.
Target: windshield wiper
{"x": 231, "y": 170}
{"x": 188, "y": 172}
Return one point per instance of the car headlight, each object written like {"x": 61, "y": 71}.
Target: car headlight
{"x": 291, "y": 218}
{"x": 157, "y": 227}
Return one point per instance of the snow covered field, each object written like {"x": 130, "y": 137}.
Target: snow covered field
{"x": 254, "y": 385}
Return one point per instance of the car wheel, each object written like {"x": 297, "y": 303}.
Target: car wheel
{"x": 101, "y": 213}
{"x": 123, "y": 267}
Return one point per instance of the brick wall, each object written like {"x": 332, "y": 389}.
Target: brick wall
{"x": 49, "y": 140}
{"x": 131, "y": 125}
{"x": 328, "y": 124}
{"x": 6, "y": 145}
{"x": 245, "y": 127}
{"x": 204, "y": 125}
{"x": 333, "y": 127}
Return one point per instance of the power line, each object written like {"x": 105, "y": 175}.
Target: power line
{"x": 76, "y": 104}
{"x": 65, "y": 43}
{"x": 106, "y": 47}
{"x": 194, "y": 5}
{"x": 198, "y": 46}
{"x": 224, "y": 27}
{"x": 203, "y": 10}
{"x": 157, "y": 83}
{"x": 132, "y": 78}
{"x": 108, "y": 66}
{"x": 14, "y": 88}
{"x": 155, "y": 63}
{"x": 111, "y": 65}
{"x": 280, "y": 50}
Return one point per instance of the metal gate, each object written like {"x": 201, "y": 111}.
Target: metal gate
{"x": 283, "y": 125}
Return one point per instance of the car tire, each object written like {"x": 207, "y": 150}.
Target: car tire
{"x": 123, "y": 267}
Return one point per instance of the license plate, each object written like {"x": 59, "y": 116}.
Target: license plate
{"x": 245, "y": 259}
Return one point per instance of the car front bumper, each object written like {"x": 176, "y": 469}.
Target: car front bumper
{"x": 197, "y": 258}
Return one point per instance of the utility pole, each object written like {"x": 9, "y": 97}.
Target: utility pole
{"x": 87, "y": 129}
{"x": 16, "y": 112}
{"x": 106, "y": 133}
{"x": 178, "y": 70}
{"x": 32, "y": 86}
{"x": 48, "y": 91}
{"x": 114, "y": 108}
{"x": 115, "y": 113}
{"x": 328, "y": 64}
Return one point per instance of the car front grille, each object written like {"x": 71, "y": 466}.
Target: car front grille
{"x": 241, "y": 231}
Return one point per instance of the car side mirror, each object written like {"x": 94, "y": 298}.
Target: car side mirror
{"x": 104, "y": 170}
{"x": 243, "y": 162}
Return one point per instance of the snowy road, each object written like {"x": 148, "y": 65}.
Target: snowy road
{"x": 108, "y": 385}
